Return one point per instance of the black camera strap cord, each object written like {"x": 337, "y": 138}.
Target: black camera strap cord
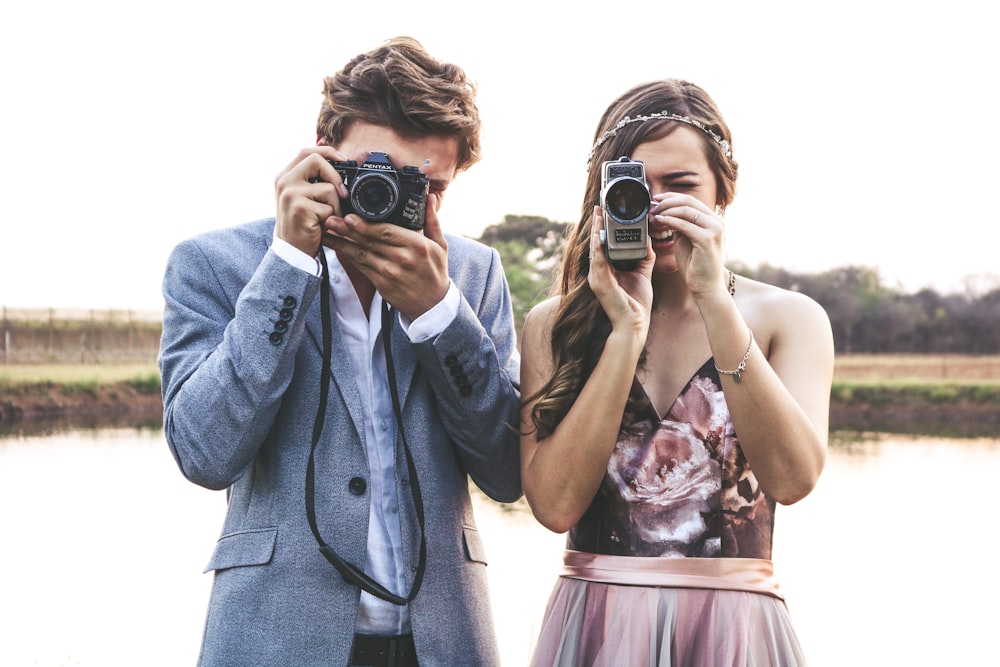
{"x": 351, "y": 573}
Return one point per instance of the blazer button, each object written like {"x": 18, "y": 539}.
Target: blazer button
{"x": 275, "y": 338}
{"x": 285, "y": 314}
{"x": 357, "y": 486}
{"x": 281, "y": 326}
{"x": 290, "y": 302}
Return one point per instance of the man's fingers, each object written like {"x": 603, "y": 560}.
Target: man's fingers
{"x": 432, "y": 226}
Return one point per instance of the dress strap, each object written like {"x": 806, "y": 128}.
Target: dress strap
{"x": 754, "y": 575}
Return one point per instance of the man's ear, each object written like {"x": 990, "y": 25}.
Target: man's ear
{"x": 320, "y": 140}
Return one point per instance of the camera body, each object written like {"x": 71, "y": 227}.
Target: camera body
{"x": 625, "y": 200}
{"x": 378, "y": 192}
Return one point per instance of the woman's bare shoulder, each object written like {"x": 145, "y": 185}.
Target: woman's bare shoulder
{"x": 783, "y": 319}
{"x": 536, "y": 344}
{"x": 542, "y": 313}
{"x": 770, "y": 300}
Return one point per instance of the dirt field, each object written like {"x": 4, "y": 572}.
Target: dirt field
{"x": 917, "y": 368}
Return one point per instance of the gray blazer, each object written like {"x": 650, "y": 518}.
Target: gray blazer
{"x": 240, "y": 361}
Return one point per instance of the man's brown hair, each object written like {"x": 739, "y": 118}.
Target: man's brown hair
{"x": 400, "y": 86}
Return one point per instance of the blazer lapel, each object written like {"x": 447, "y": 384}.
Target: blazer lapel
{"x": 404, "y": 360}
{"x": 341, "y": 372}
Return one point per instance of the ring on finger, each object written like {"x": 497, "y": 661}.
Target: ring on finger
{"x": 694, "y": 220}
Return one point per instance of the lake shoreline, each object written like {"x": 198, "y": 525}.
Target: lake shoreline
{"x": 33, "y": 406}
{"x": 53, "y": 401}
{"x": 961, "y": 419}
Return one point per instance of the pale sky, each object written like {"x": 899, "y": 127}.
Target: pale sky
{"x": 863, "y": 130}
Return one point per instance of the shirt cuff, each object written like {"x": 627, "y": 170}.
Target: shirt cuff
{"x": 296, "y": 257}
{"x": 435, "y": 320}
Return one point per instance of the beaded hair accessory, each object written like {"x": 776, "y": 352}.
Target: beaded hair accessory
{"x": 662, "y": 115}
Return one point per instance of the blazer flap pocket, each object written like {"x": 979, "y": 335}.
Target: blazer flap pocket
{"x": 246, "y": 547}
{"x": 474, "y": 549}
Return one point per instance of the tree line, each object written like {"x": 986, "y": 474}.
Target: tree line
{"x": 867, "y": 316}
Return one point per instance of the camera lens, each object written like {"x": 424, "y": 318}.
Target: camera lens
{"x": 627, "y": 201}
{"x": 374, "y": 196}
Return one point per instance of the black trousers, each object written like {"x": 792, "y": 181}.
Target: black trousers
{"x": 384, "y": 651}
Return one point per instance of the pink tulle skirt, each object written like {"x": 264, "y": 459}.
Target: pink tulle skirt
{"x": 626, "y": 611}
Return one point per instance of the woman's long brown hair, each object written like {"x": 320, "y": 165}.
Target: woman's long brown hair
{"x": 581, "y": 327}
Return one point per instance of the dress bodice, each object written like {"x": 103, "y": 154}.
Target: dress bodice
{"x": 679, "y": 486}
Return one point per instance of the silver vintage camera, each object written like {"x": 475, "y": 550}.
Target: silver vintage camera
{"x": 381, "y": 193}
{"x": 625, "y": 201}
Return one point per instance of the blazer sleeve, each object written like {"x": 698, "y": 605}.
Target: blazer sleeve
{"x": 234, "y": 316}
{"x": 474, "y": 367}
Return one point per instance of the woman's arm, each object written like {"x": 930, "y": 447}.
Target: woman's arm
{"x": 562, "y": 473}
{"x": 780, "y": 406}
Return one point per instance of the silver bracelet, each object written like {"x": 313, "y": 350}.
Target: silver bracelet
{"x": 743, "y": 362}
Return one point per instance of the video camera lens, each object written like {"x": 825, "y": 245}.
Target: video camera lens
{"x": 627, "y": 201}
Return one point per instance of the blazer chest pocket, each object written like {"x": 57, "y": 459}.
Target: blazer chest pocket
{"x": 474, "y": 549}
{"x": 246, "y": 547}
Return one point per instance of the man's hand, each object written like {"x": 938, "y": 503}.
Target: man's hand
{"x": 408, "y": 268}
{"x": 307, "y": 192}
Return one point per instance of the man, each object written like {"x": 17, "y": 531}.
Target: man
{"x": 349, "y": 537}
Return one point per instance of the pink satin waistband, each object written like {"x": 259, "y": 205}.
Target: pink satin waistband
{"x": 754, "y": 575}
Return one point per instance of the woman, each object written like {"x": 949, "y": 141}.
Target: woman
{"x": 667, "y": 409}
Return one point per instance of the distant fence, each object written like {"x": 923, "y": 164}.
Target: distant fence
{"x": 66, "y": 335}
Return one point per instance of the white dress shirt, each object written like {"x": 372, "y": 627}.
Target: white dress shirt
{"x": 363, "y": 344}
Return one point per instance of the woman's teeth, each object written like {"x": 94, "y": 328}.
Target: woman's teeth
{"x": 664, "y": 235}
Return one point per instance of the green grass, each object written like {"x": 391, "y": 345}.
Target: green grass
{"x": 900, "y": 392}
{"x": 82, "y": 377}
{"x": 145, "y": 378}
{"x": 146, "y": 384}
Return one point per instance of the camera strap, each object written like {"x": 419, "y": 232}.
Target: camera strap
{"x": 351, "y": 573}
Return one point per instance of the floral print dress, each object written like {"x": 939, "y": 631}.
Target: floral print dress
{"x": 678, "y": 489}
{"x": 681, "y": 488}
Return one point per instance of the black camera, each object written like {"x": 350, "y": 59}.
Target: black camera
{"x": 625, "y": 200}
{"x": 378, "y": 192}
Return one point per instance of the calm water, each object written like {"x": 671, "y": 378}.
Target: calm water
{"x": 891, "y": 560}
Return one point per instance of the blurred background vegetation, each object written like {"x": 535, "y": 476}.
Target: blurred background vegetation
{"x": 867, "y": 316}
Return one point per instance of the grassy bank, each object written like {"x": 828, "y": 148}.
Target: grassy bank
{"x": 952, "y": 394}
{"x": 873, "y": 377}
{"x": 80, "y": 393}
{"x": 915, "y": 379}
{"x": 854, "y": 369}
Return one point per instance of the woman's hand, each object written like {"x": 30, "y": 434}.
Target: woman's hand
{"x": 699, "y": 239}
{"x": 626, "y": 296}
